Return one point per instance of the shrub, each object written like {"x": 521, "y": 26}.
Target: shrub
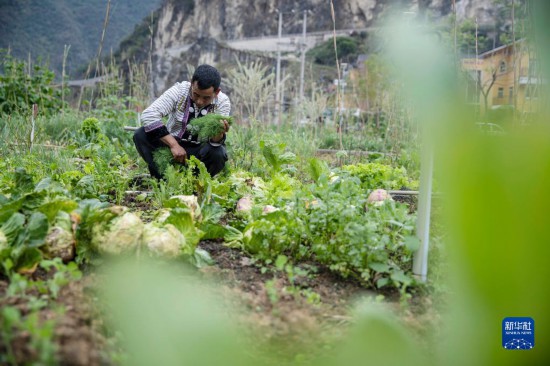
{"x": 20, "y": 88}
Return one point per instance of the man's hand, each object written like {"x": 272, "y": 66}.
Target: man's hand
{"x": 219, "y": 137}
{"x": 178, "y": 152}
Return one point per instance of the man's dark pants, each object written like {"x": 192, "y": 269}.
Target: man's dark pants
{"x": 213, "y": 157}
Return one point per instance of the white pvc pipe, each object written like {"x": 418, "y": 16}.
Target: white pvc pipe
{"x": 420, "y": 260}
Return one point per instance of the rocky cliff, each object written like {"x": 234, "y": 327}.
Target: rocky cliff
{"x": 191, "y": 32}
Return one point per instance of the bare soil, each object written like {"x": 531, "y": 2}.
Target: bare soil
{"x": 294, "y": 320}
{"x": 277, "y": 313}
{"x": 77, "y": 337}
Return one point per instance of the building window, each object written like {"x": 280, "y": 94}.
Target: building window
{"x": 500, "y": 93}
{"x": 502, "y": 66}
{"x": 511, "y": 95}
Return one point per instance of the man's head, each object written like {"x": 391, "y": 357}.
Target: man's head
{"x": 205, "y": 85}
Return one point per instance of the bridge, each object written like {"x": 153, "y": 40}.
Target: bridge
{"x": 288, "y": 42}
{"x": 270, "y": 44}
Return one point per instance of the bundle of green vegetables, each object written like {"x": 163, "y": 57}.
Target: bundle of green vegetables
{"x": 163, "y": 158}
{"x": 204, "y": 128}
{"x": 208, "y": 126}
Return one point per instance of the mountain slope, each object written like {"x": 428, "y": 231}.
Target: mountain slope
{"x": 199, "y": 31}
{"x": 43, "y": 27}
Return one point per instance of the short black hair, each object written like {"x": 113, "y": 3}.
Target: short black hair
{"x": 206, "y": 76}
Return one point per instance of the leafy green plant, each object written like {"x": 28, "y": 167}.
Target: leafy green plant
{"x": 275, "y": 155}
{"x": 38, "y": 294}
{"x": 34, "y": 223}
{"x": 15, "y": 132}
{"x": 116, "y": 231}
{"x": 329, "y": 221}
{"x": 352, "y": 239}
{"x": 20, "y": 88}
{"x": 273, "y": 234}
{"x": 41, "y": 333}
{"x": 208, "y": 126}
{"x": 376, "y": 175}
{"x": 163, "y": 158}
{"x": 317, "y": 169}
{"x": 179, "y": 179}
{"x": 272, "y": 291}
{"x": 21, "y": 237}
{"x": 90, "y": 128}
{"x": 293, "y": 272}
{"x": 63, "y": 275}
{"x": 10, "y": 318}
{"x": 347, "y": 49}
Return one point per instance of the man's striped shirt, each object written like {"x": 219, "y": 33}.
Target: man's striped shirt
{"x": 172, "y": 104}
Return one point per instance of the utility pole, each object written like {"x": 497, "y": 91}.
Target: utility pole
{"x": 283, "y": 85}
{"x": 303, "y": 59}
{"x": 278, "y": 102}
{"x": 342, "y": 84}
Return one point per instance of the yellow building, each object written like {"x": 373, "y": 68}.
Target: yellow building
{"x": 505, "y": 76}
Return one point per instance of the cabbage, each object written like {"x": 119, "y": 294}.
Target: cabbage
{"x": 378, "y": 196}
{"x": 244, "y": 204}
{"x": 121, "y": 234}
{"x": 182, "y": 220}
{"x": 233, "y": 235}
{"x": 118, "y": 210}
{"x": 59, "y": 243}
{"x": 162, "y": 215}
{"x": 171, "y": 233}
{"x": 201, "y": 258}
{"x": 60, "y": 240}
{"x": 269, "y": 209}
{"x": 166, "y": 241}
{"x": 191, "y": 202}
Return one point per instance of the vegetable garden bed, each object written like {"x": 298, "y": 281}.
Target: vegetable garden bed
{"x": 291, "y": 243}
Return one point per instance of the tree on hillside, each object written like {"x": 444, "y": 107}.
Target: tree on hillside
{"x": 470, "y": 40}
{"x": 512, "y": 20}
{"x": 348, "y": 49}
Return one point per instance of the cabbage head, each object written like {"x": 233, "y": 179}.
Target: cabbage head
{"x": 166, "y": 241}
{"x": 60, "y": 240}
{"x": 59, "y": 243}
{"x": 119, "y": 235}
{"x": 191, "y": 202}
{"x": 182, "y": 220}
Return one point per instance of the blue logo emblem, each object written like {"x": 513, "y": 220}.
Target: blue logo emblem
{"x": 518, "y": 333}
